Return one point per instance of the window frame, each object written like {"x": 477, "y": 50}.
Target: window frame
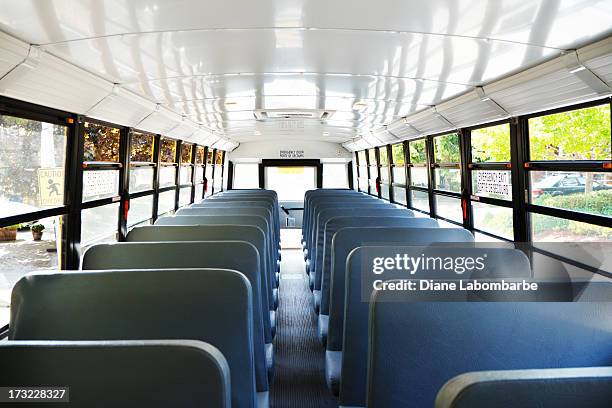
{"x": 587, "y": 166}
{"x": 470, "y": 166}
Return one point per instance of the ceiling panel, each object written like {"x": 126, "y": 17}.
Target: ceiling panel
{"x": 216, "y": 62}
{"x": 562, "y": 23}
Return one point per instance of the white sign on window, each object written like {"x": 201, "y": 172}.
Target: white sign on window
{"x": 97, "y": 183}
{"x": 291, "y": 154}
{"x": 493, "y": 182}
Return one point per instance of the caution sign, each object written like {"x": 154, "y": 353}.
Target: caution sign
{"x": 51, "y": 186}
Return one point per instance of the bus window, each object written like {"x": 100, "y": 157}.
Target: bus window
{"x": 101, "y": 143}
{"x": 335, "y": 175}
{"x": 491, "y": 183}
{"x": 101, "y": 172}
{"x": 447, "y": 174}
{"x": 199, "y": 173}
{"x": 32, "y": 160}
{"x": 362, "y": 171}
{"x": 141, "y": 162}
{"x": 99, "y": 225}
{"x": 141, "y": 211}
{"x": 582, "y": 134}
{"x": 290, "y": 183}
{"x": 384, "y": 171}
{"x": 167, "y": 171}
{"x": 209, "y": 170}
{"x": 574, "y": 136}
{"x": 246, "y": 175}
{"x": 165, "y": 204}
{"x": 373, "y": 172}
{"x": 419, "y": 175}
{"x": 398, "y": 174}
{"x": 219, "y": 167}
{"x": 186, "y": 169}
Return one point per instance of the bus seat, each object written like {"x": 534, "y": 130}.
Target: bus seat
{"x": 445, "y": 339}
{"x": 329, "y": 210}
{"x": 559, "y": 388}
{"x": 211, "y": 305}
{"x": 255, "y": 220}
{"x": 148, "y": 374}
{"x": 371, "y": 220}
{"x": 331, "y": 198}
{"x": 324, "y": 217}
{"x": 226, "y": 211}
{"x": 236, "y": 255}
{"x": 352, "y": 380}
{"x": 328, "y": 202}
{"x": 315, "y": 243}
{"x": 248, "y": 233}
{"x": 323, "y": 205}
{"x": 349, "y": 238}
{"x": 247, "y": 202}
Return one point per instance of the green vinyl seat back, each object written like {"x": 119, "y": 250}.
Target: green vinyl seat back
{"x": 210, "y": 305}
{"x": 251, "y": 234}
{"x": 253, "y": 220}
{"x": 148, "y": 374}
{"x": 498, "y": 263}
{"x": 590, "y": 387}
{"x": 240, "y": 256}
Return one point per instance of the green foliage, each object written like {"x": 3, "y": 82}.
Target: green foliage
{"x": 37, "y": 228}
{"x": 21, "y": 151}
{"x": 168, "y": 151}
{"x": 12, "y": 227}
{"x": 199, "y": 155}
{"x": 495, "y": 224}
{"x": 491, "y": 144}
{"x": 582, "y": 134}
{"x": 418, "y": 152}
{"x": 397, "y": 151}
{"x": 141, "y": 147}
{"x": 446, "y": 149}
{"x": 596, "y": 202}
{"x": 382, "y": 154}
{"x": 372, "y": 157}
{"x": 101, "y": 143}
{"x": 185, "y": 153}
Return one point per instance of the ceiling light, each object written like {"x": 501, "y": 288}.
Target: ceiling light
{"x": 257, "y": 133}
{"x": 578, "y": 69}
{"x": 325, "y": 133}
{"x": 360, "y": 105}
{"x": 230, "y": 103}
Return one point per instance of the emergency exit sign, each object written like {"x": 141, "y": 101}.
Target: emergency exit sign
{"x": 291, "y": 154}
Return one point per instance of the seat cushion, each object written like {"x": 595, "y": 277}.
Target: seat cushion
{"x": 316, "y": 297}
{"x": 311, "y": 280}
{"x": 263, "y": 399}
{"x": 273, "y": 322}
{"x": 333, "y": 365}
{"x": 322, "y": 325}
{"x": 270, "y": 360}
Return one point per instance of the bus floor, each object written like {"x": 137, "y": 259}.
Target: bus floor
{"x": 299, "y": 372}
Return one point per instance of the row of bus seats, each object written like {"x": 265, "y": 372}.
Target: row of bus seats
{"x": 395, "y": 352}
{"x": 182, "y": 314}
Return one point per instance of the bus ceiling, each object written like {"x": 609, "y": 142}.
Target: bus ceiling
{"x": 300, "y": 72}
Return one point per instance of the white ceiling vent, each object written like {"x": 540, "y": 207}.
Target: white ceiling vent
{"x": 285, "y": 114}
